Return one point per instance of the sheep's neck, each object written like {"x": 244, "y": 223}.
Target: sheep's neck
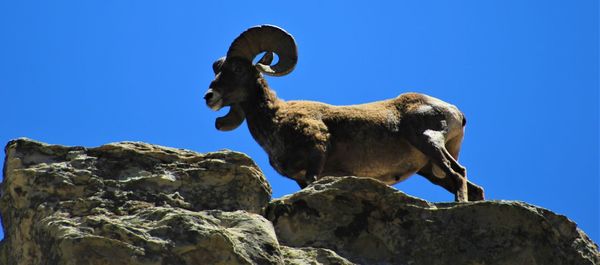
{"x": 261, "y": 111}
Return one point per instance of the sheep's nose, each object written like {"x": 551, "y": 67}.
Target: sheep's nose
{"x": 209, "y": 95}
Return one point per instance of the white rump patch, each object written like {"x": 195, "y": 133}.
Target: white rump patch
{"x": 436, "y": 137}
{"x": 424, "y": 108}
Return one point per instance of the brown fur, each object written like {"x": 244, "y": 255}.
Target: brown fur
{"x": 387, "y": 140}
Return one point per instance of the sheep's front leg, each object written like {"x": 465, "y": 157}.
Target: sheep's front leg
{"x": 307, "y": 179}
{"x": 315, "y": 162}
{"x": 303, "y": 184}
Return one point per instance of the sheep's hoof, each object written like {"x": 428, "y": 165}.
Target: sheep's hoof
{"x": 306, "y": 181}
{"x": 310, "y": 179}
{"x": 459, "y": 198}
{"x": 476, "y": 193}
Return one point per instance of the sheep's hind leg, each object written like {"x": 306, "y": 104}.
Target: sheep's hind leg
{"x": 474, "y": 191}
{"x": 431, "y": 143}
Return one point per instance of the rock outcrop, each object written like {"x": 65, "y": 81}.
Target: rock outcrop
{"x": 136, "y": 203}
{"x": 371, "y": 223}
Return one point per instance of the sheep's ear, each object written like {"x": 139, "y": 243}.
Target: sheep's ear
{"x": 267, "y": 59}
{"x": 232, "y": 120}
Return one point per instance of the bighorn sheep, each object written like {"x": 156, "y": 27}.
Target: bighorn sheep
{"x": 387, "y": 140}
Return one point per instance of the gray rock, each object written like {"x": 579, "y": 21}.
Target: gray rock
{"x": 136, "y": 203}
{"x": 133, "y": 203}
{"x": 156, "y": 235}
{"x": 369, "y": 222}
{"x": 120, "y": 173}
{"x": 312, "y": 256}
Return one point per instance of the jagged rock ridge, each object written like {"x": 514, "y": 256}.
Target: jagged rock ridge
{"x": 136, "y": 203}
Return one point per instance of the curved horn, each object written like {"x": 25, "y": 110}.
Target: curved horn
{"x": 232, "y": 120}
{"x": 266, "y": 38}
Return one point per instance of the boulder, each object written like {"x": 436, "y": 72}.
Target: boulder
{"x": 369, "y": 222}
{"x": 136, "y": 203}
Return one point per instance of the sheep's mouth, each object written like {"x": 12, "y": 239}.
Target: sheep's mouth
{"x": 214, "y": 100}
{"x": 215, "y": 104}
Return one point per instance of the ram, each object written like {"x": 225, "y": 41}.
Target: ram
{"x": 387, "y": 140}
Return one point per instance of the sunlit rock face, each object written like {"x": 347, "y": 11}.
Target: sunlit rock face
{"x": 137, "y": 203}
{"x": 368, "y": 222}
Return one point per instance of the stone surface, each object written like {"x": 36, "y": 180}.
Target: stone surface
{"x": 135, "y": 203}
{"x": 312, "y": 256}
{"x": 129, "y": 171}
{"x": 157, "y": 235}
{"x": 368, "y": 222}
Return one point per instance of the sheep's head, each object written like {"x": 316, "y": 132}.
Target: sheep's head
{"x": 235, "y": 75}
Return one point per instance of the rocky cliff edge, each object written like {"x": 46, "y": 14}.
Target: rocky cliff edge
{"x": 136, "y": 203}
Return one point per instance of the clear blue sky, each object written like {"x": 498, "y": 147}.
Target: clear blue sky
{"x": 524, "y": 72}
